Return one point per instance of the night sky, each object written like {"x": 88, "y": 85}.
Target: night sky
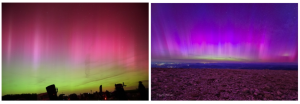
{"x": 77, "y": 47}
{"x": 251, "y": 33}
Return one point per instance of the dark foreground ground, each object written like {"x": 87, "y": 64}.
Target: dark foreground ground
{"x": 223, "y": 84}
{"x": 130, "y": 95}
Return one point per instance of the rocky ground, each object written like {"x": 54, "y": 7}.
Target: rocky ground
{"x": 223, "y": 84}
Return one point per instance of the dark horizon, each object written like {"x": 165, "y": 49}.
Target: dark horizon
{"x": 209, "y": 61}
{"x": 94, "y": 89}
{"x": 207, "y": 65}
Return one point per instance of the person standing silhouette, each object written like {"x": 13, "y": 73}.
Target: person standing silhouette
{"x": 142, "y": 91}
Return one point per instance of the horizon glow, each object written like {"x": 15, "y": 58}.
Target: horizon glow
{"x": 228, "y": 32}
{"x": 76, "y": 46}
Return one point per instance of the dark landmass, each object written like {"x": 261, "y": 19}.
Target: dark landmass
{"x": 249, "y": 66}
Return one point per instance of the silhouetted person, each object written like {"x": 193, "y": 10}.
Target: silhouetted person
{"x": 52, "y": 92}
{"x": 142, "y": 91}
{"x": 119, "y": 92}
